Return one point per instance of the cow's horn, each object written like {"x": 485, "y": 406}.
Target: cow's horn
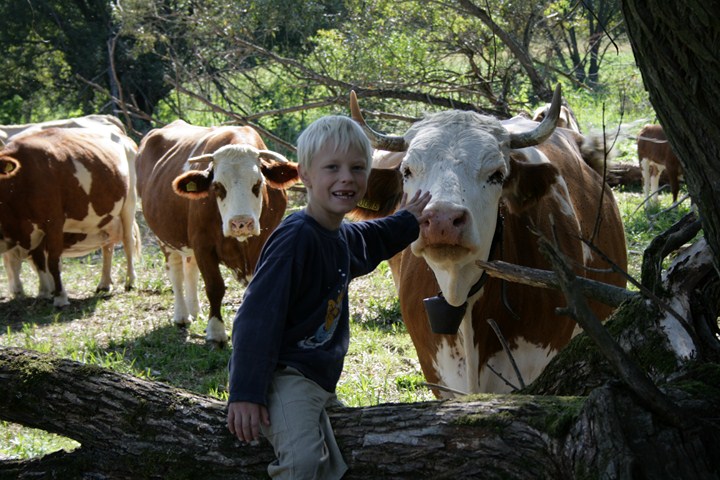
{"x": 540, "y": 133}
{"x": 273, "y": 156}
{"x": 391, "y": 143}
{"x": 201, "y": 158}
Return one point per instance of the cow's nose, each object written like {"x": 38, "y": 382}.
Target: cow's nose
{"x": 242, "y": 226}
{"x": 445, "y": 226}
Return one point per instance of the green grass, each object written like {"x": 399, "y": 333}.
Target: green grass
{"x": 132, "y": 332}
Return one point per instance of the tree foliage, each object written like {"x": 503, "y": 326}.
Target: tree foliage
{"x": 243, "y": 61}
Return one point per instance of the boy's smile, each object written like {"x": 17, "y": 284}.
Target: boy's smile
{"x": 336, "y": 181}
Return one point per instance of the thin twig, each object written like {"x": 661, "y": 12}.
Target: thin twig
{"x": 505, "y": 346}
{"x": 443, "y": 388}
{"x": 500, "y": 376}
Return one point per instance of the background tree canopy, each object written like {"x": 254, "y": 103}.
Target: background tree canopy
{"x": 278, "y": 64}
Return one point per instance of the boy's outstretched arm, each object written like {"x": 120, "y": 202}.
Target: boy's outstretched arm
{"x": 244, "y": 418}
{"x": 416, "y": 204}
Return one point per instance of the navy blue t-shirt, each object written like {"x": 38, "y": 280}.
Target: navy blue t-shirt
{"x": 295, "y": 310}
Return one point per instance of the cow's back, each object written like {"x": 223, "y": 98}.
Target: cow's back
{"x": 68, "y": 178}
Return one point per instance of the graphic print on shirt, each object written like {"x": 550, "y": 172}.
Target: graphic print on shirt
{"x": 332, "y": 317}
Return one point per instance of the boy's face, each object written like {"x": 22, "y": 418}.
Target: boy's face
{"x": 336, "y": 181}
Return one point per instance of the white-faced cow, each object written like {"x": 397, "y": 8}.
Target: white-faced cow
{"x": 212, "y": 195}
{"x": 67, "y": 192}
{"x": 493, "y": 184}
{"x": 656, "y": 155}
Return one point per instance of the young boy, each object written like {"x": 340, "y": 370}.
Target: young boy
{"x": 291, "y": 333}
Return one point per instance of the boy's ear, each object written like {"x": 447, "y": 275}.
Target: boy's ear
{"x": 302, "y": 175}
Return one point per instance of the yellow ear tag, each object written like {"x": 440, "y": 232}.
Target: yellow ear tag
{"x": 191, "y": 187}
{"x": 9, "y": 167}
{"x": 368, "y": 205}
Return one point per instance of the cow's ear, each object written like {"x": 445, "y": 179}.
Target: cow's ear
{"x": 8, "y": 167}
{"x": 383, "y": 194}
{"x": 527, "y": 182}
{"x": 194, "y": 184}
{"x": 280, "y": 174}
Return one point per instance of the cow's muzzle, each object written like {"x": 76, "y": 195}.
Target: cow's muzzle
{"x": 444, "y": 318}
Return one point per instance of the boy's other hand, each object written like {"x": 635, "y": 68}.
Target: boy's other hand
{"x": 244, "y": 418}
{"x": 416, "y": 204}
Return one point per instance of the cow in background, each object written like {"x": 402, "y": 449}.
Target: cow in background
{"x": 566, "y": 119}
{"x": 67, "y": 192}
{"x": 211, "y": 195}
{"x": 493, "y": 184}
{"x": 656, "y": 155}
{"x": 7, "y": 132}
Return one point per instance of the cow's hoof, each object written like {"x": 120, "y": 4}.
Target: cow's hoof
{"x": 216, "y": 344}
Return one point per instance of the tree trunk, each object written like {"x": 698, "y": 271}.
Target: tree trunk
{"x": 131, "y": 428}
{"x": 676, "y": 49}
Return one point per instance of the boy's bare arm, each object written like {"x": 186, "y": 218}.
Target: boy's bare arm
{"x": 416, "y": 204}
{"x": 244, "y": 420}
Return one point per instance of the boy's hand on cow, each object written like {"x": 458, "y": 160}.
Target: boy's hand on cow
{"x": 244, "y": 420}
{"x": 416, "y": 204}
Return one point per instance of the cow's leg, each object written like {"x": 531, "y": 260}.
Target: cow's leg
{"x": 472, "y": 358}
{"x": 46, "y": 284}
{"x": 106, "y": 275}
{"x": 215, "y": 291}
{"x": 13, "y": 266}
{"x": 60, "y": 297}
{"x": 174, "y": 265}
{"x": 650, "y": 178}
{"x": 655, "y": 172}
{"x": 131, "y": 242}
{"x": 192, "y": 276}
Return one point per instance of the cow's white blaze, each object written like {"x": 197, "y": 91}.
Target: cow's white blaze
{"x": 237, "y": 169}
{"x": 454, "y": 157}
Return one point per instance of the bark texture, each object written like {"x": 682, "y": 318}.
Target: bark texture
{"x": 676, "y": 47}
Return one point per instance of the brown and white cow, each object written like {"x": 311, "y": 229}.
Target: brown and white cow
{"x": 8, "y": 132}
{"x": 479, "y": 170}
{"x": 566, "y": 119}
{"x": 67, "y": 192}
{"x": 656, "y": 155}
{"x": 212, "y": 195}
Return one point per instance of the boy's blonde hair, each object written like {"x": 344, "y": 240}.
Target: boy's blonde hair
{"x": 335, "y": 131}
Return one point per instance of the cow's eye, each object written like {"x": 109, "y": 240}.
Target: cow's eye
{"x": 256, "y": 188}
{"x": 497, "y": 178}
{"x": 406, "y": 173}
{"x": 219, "y": 189}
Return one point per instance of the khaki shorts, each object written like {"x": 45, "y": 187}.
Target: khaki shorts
{"x": 300, "y": 430}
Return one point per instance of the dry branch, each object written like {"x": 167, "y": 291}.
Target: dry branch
{"x": 602, "y": 292}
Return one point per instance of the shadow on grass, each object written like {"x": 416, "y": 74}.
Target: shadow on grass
{"x": 14, "y": 313}
{"x": 172, "y": 355}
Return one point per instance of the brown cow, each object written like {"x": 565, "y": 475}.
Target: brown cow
{"x": 655, "y": 155}
{"x": 212, "y": 195}
{"x": 66, "y": 192}
{"x": 492, "y": 184}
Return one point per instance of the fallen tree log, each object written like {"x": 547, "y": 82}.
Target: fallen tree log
{"x": 130, "y": 428}
{"x": 133, "y": 428}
